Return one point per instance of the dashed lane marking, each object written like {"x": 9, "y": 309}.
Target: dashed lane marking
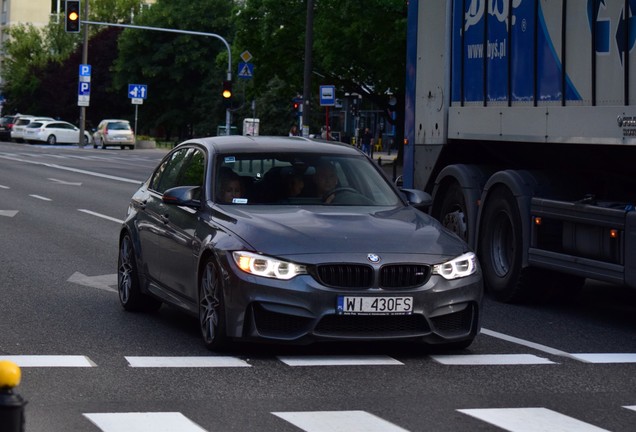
{"x": 530, "y": 420}
{"x": 103, "y": 216}
{"x": 329, "y": 421}
{"x": 185, "y": 362}
{"x": 49, "y": 360}
{"x": 490, "y": 359}
{"x": 143, "y": 422}
{"x": 41, "y": 197}
{"x": 338, "y": 360}
{"x": 606, "y": 357}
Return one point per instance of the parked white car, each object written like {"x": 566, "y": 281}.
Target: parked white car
{"x": 114, "y": 132}
{"x": 17, "y": 132}
{"x": 54, "y": 132}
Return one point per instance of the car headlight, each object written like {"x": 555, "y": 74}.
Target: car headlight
{"x": 261, "y": 265}
{"x": 462, "y": 266}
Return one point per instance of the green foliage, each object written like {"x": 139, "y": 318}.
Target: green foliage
{"x": 183, "y": 75}
{"x": 359, "y": 46}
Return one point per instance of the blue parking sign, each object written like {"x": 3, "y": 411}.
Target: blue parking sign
{"x": 84, "y": 89}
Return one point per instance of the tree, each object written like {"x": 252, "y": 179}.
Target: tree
{"x": 184, "y": 73}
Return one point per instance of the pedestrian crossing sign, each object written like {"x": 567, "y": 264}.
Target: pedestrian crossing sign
{"x": 245, "y": 70}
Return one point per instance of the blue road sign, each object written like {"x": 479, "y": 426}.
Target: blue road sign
{"x": 84, "y": 70}
{"x": 327, "y": 95}
{"x": 137, "y": 91}
{"x": 84, "y": 89}
{"x": 245, "y": 70}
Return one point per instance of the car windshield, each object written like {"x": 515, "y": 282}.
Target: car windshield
{"x": 118, "y": 126}
{"x": 300, "y": 179}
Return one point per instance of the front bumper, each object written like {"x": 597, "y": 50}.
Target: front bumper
{"x": 304, "y": 311}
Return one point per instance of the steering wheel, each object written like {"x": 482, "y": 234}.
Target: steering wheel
{"x": 337, "y": 191}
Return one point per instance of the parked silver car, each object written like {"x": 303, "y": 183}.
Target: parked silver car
{"x": 114, "y": 132}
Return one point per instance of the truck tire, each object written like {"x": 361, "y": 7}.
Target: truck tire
{"x": 452, "y": 211}
{"x": 500, "y": 250}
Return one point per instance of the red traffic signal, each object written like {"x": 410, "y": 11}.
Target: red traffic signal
{"x": 72, "y": 16}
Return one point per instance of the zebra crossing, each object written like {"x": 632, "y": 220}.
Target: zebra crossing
{"x": 512, "y": 419}
{"x": 524, "y": 419}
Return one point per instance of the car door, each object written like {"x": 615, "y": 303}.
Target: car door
{"x": 179, "y": 245}
{"x": 166, "y": 230}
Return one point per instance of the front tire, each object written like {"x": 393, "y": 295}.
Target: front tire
{"x": 128, "y": 285}
{"x": 212, "y": 308}
{"x": 452, "y": 212}
{"x": 500, "y": 250}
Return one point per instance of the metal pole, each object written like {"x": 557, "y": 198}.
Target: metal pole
{"x": 82, "y": 124}
{"x": 228, "y": 114}
{"x": 309, "y": 43}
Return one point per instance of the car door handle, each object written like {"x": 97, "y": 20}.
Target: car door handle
{"x": 141, "y": 205}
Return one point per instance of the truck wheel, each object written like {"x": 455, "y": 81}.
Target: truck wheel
{"x": 452, "y": 211}
{"x": 500, "y": 249}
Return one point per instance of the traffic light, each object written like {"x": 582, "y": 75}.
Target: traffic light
{"x": 297, "y": 105}
{"x": 227, "y": 89}
{"x": 72, "y": 13}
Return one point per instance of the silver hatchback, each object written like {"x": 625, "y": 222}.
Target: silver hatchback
{"x": 114, "y": 132}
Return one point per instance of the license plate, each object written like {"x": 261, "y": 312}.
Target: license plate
{"x": 349, "y": 305}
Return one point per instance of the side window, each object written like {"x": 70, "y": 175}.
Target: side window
{"x": 185, "y": 167}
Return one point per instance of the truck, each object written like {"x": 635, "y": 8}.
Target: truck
{"x": 520, "y": 121}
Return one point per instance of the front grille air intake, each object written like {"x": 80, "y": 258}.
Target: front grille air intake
{"x": 346, "y": 275}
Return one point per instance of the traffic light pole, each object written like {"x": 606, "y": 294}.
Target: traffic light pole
{"x": 82, "y": 122}
{"x": 228, "y": 114}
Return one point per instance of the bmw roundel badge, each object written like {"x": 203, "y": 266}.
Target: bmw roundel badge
{"x": 373, "y": 258}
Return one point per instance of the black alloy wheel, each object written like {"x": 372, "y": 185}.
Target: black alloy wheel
{"x": 212, "y": 308}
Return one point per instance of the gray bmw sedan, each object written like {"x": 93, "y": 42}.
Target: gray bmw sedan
{"x": 293, "y": 240}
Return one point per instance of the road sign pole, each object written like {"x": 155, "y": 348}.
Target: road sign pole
{"x": 228, "y": 113}
{"x": 82, "y": 125}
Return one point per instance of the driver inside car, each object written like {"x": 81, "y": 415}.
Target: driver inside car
{"x": 326, "y": 180}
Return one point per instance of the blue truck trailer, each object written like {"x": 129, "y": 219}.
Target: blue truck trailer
{"x": 520, "y": 120}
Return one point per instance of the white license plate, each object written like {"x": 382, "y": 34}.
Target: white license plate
{"x": 349, "y": 305}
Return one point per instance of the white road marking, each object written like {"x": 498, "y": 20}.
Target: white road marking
{"x": 529, "y": 344}
{"x": 41, "y": 197}
{"x": 80, "y": 171}
{"x": 64, "y": 182}
{"x": 530, "y": 420}
{"x": 490, "y": 359}
{"x": 4, "y": 187}
{"x": 161, "y": 362}
{"x": 101, "y": 215}
{"x": 331, "y": 421}
{"x": 338, "y": 360}
{"x": 8, "y": 213}
{"x": 103, "y": 282}
{"x": 606, "y": 357}
{"x": 49, "y": 360}
{"x": 631, "y": 407}
{"x": 143, "y": 422}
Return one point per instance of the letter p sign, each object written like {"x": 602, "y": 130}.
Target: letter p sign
{"x": 84, "y": 89}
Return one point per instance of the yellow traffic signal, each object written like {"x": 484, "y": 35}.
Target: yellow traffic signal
{"x": 72, "y": 14}
{"x": 227, "y": 89}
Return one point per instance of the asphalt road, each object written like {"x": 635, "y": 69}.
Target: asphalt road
{"x": 89, "y": 366}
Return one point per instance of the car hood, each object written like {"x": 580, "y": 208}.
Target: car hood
{"x": 287, "y": 231}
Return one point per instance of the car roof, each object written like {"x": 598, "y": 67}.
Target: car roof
{"x": 114, "y": 120}
{"x": 261, "y": 144}
{"x": 46, "y": 122}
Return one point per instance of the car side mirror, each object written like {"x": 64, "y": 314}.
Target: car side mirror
{"x": 183, "y": 195}
{"x": 417, "y": 198}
